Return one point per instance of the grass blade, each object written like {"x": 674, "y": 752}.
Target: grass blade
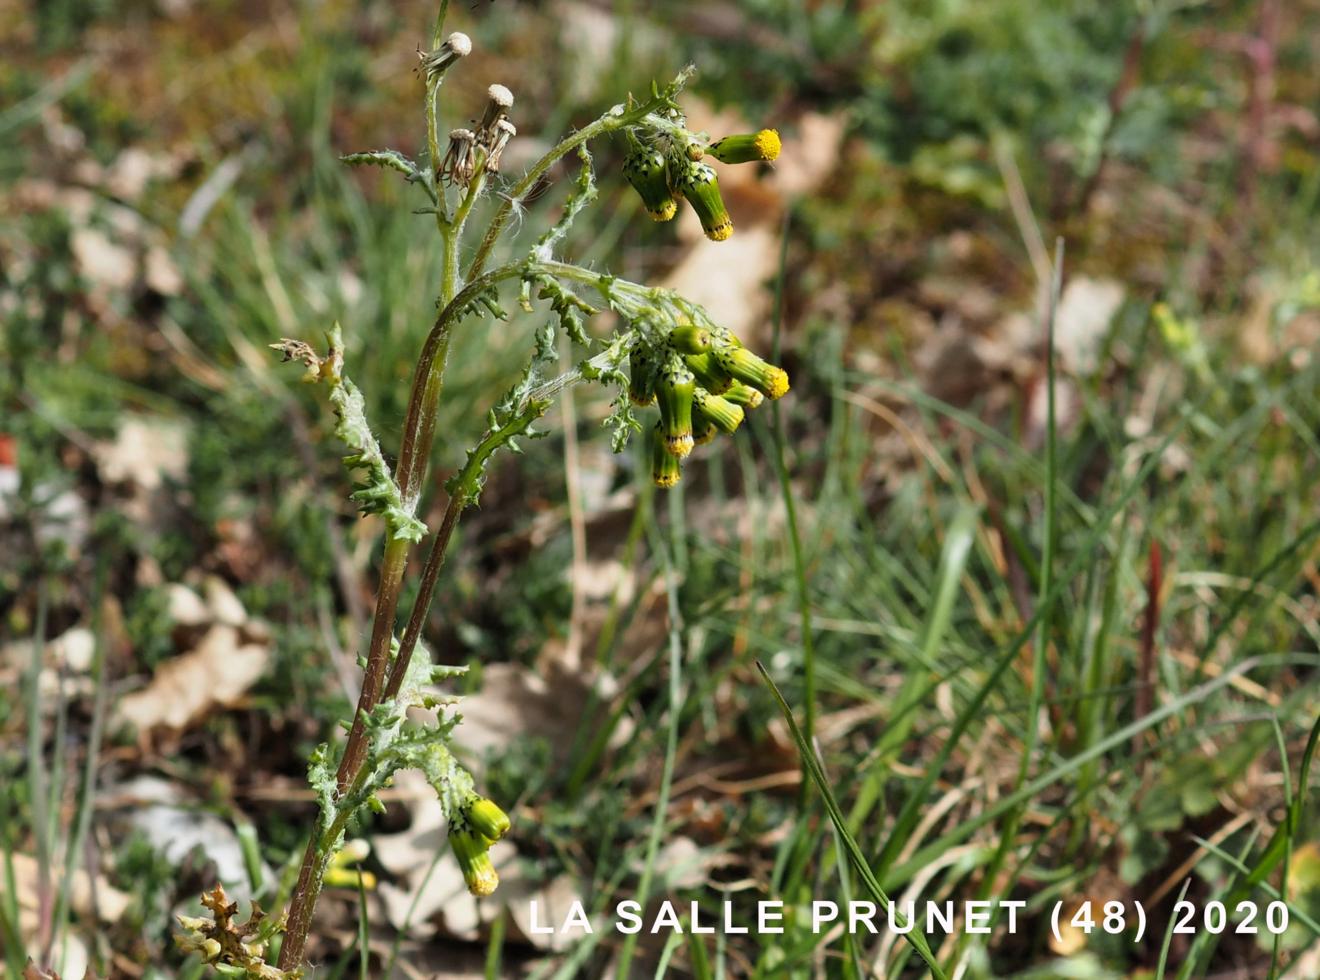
{"x": 855, "y": 856}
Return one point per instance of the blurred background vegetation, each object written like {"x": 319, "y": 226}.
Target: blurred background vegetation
{"x": 175, "y": 535}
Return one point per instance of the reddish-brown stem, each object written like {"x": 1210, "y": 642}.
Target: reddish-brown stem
{"x": 382, "y": 630}
{"x": 435, "y": 561}
{"x": 300, "y": 911}
{"x": 1118, "y": 96}
{"x": 1257, "y": 145}
{"x": 309, "y": 875}
{"x": 414, "y": 454}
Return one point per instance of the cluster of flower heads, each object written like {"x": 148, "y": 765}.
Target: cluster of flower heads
{"x": 702, "y": 377}
{"x": 664, "y": 164}
{"x": 480, "y": 149}
{"x": 471, "y": 151}
{"x": 478, "y": 825}
{"x": 703, "y": 380}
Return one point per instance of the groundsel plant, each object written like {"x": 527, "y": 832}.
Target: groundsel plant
{"x": 663, "y": 349}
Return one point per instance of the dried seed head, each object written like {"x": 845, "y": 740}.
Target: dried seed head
{"x": 437, "y": 62}
{"x": 459, "y": 43}
{"x": 499, "y": 102}
{"x": 459, "y": 163}
{"x": 504, "y": 131}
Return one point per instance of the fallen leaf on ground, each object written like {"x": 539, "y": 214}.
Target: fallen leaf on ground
{"x": 135, "y": 168}
{"x": 729, "y": 278}
{"x": 217, "y": 674}
{"x": 108, "y": 902}
{"x": 516, "y": 703}
{"x": 683, "y": 863}
{"x": 65, "y": 663}
{"x": 175, "y": 826}
{"x": 185, "y": 607}
{"x": 145, "y": 451}
{"x": 101, "y": 261}
{"x": 1081, "y": 323}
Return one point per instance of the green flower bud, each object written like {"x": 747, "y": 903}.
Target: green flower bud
{"x": 697, "y": 182}
{"x": 673, "y": 392}
{"x": 747, "y": 147}
{"x": 487, "y": 819}
{"x": 645, "y": 169}
{"x": 711, "y": 376}
{"x": 746, "y": 367}
{"x": 665, "y": 468}
{"x": 688, "y": 338}
{"x": 720, "y": 411}
{"x": 473, "y": 854}
{"x": 744, "y": 395}
{"x": 703, "y": 429}
{"x": 641, "y": 377}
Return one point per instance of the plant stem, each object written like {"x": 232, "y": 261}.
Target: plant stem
{"x": 428, "y": 379}
{"x": 318, "y": 850}
{"x": 435, "y": 561}
{"x": 432, "y": 124}
{"x": 414, "y": 456}
{"x": 382, "y": 631}
{"x": 615, "y": 119}
{"x": 419, "y": 430}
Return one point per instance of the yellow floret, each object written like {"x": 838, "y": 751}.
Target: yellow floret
{"x": 776, "y": 382}
{"x": 720, "y": 233}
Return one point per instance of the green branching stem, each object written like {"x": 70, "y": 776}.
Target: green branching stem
{"x": 641, "y": 308}
{"x": 432, "y": 123}
{"x": 465, "y": 488}
{"x": 418, "y": 434}
{"x": 619, "y": 117}
{"x": 391, "y": 745}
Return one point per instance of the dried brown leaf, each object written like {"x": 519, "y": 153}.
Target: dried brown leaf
{"x": 217, "y": 674}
